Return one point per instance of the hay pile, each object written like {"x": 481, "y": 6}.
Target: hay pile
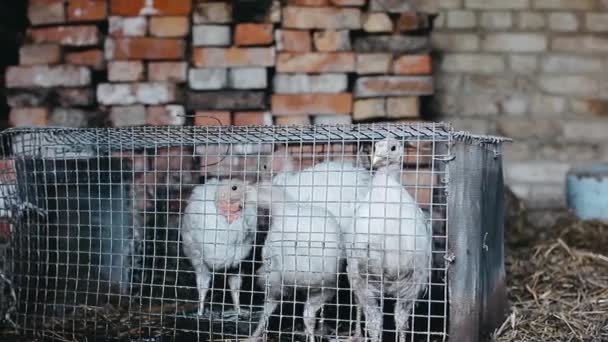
{"x": 558, "y": 281}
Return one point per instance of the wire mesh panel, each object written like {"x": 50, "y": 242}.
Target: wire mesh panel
{"x": 220, "y": 233}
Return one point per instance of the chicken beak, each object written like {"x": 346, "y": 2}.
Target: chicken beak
{"x": 376, "y": 160}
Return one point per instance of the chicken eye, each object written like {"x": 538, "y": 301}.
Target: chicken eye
{"x": 265, "y": 166}
{"x": 393, "y": 148}
{"x": 234, "y": 188}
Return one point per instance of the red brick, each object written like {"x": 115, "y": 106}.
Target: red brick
{"x": 252, "y": 119}
{"x": 145, "y": 48}
{"x": 316, "y": 62}
{"x": 293, "y": 40}
{"x": 172, "y": 159}
{"x": 343, "y": 148}
{"x": 82, "y": 35}
{"x": 212, "y": 118}
{"x": 412, "y": 65}
{"x": 369, "y": 109}
{"x": 403, "y": 107}
{"x": 39, "y": 54}
{"x": 408, "y": 21}
{"x": 8, "y": 173}
{"x": 173, "y": 115}
{"x": 306, "y": 150}
{"x": 93, "y": 58}
{"x": 332, "y": 40}
{"x": 253, "y": 34}
{"x": 168, "y": 71}
{"x": 159, "y": 7}
{"x": 289, "y": 120}
{"x": 42, "y": 12}
{"x": 308, "y": 2}
{"x": 125, "y": 71}
{"x": 87, "y": 10}
{"x": 23, "y": 117}
{"x": 393, "y": 86}
{"x": 420, "y": 153}
{"x": 377, "y": 22}
{"x": 47, "y": 76}
{"x": 168, "y": 27}
{"x": 373, "y": 63}
{"x": 5, "y": 230}
{"x": 419, "y": 183}
{"x": 305, "y": 104}
{"x": 325, "y": 18}
{"x": 233, "y": 57}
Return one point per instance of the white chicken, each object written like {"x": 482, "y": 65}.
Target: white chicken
{"x": 218, "y": 232}
{"x": 302, "y": 250}
{"x": 336, "y": 186}
{"x": 390, "y": 251}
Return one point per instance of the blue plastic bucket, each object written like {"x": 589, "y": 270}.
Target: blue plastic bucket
{"x": 587, "y": 191}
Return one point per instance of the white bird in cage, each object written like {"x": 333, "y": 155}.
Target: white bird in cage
{"x": 245, "y": 161}
{"x": 389, "y": 253}
{"x": 337, "y": 186}
{"x": 302, "y": 250}
{"x": 218, "y": 232}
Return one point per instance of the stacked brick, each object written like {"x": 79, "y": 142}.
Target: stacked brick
{"x": 337, "y": 58}
{"x": 61, "y": 56}
{"x": 393, "y": 64}
{"x": 145, "y": 50}
{"x": 118, "y": 62}
{"x": 229, "y": 66}
{"x": 314, "y": 60}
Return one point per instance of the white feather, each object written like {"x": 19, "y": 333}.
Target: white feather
{"x": 211, "y": 243}
{"x": 335, "y": 186}
{"x": 303, "y": 250}
{"x": 392, "y": 245}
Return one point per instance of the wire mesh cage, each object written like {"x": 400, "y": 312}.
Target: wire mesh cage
{"x": 333, "y": 233}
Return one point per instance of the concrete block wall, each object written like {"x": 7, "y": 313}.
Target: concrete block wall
{"x": 533, "y": 70}
{"x": 135, "y": 62}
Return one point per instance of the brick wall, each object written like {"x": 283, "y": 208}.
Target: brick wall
{"x": 135, "y": 62}
{"x": 534, "y": 70}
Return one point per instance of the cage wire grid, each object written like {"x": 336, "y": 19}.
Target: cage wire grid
{"x": 117, "y": 233}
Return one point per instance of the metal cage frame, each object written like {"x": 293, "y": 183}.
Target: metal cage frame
{"x": 471, "y": 183}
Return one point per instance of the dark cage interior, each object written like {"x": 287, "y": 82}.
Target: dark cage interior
{"x": 106, "y": 244}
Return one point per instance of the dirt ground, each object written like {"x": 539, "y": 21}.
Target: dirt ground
{"x": 557, "y": 275}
